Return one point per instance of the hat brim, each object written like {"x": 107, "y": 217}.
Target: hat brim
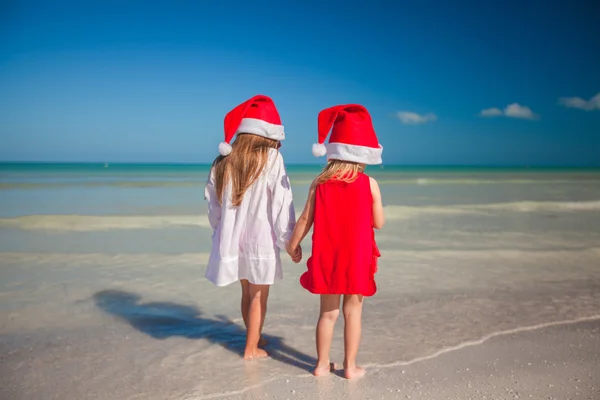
{"x": 261, "y": 128}
{"x": 354, "y": 153}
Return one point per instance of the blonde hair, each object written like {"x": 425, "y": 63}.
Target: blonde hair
{"x": 243, "y": 166}
{"x": 338, "y": 170}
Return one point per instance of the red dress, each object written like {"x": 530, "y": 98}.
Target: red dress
{"x": 344, "y": 252}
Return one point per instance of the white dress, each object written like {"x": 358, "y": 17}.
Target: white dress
{"x": 247, "y": 239}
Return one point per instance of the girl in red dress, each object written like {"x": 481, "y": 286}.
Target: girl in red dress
{"x": 345, "y": 206}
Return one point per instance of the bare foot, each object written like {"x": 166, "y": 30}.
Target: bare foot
{"x": 254, "y": 355}
{"x": 324, "y": 369}
{"x": 353, "y": 373}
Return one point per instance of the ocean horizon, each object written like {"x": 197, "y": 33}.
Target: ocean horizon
{"x": 25, "y": 164}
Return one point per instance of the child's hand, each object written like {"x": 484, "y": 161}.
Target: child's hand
{"x": 295, "y": 254}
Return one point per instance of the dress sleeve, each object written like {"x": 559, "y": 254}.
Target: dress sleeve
{"x": 283, "y": 214}
{"x": 214, "y": 207}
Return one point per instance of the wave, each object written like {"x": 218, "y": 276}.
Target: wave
{"x": 530, "y": 206}
{"x": 116, "y": 260}
{"x": 474, "y": 181}
{"x": 84, "y": 223}
{"x": 465, "y": 181}
{"x": 119, "y": 184}
{"x": 407, "y": 212}
{"x": 295, "y": 181}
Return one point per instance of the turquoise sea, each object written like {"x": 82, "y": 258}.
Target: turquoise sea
{"x": 107, "y": 188}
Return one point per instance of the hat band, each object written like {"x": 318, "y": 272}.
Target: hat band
{"x": 261, "y": 128}
{"x": 354, "y": 153}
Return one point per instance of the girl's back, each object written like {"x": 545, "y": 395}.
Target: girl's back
{"x": 344, "y": 205}
{"x": 344, "y": 251}
{"x": 248, "y": 236}
{"x": 250, "y": 209}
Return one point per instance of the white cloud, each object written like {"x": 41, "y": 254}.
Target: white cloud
{"x": 491, "y": 112}
{"x": 514, "y": 110}
{"x": 411, "y": 118}
{"x": 578, "y": 102}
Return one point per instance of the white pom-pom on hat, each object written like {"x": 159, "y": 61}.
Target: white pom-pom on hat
{"x": 224, "y": 149}
{"x": 319, "y": 150}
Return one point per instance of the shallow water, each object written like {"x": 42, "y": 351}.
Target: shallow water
{"x": 102, "y": 293}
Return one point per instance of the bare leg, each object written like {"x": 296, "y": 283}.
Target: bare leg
{"x": 245, "y": 303}
{"x": 263, "y": 304}
{"x": 330, "y": 309}
{"x": 257, "y": 310}
{"x": 352, "y": 331}
{"x": 245, "y": 306}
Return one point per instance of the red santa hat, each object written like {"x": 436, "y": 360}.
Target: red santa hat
{"x": 352, "y": 135}
{"x": 257, "y": 116}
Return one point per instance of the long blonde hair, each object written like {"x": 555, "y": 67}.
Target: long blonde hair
{"x": 343, "y": 171}
{"x": 243, "y": 166}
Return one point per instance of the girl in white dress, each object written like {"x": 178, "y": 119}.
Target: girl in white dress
{"x": 251, "y": 210}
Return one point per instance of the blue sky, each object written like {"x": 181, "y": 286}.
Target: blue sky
{"x": 151, "y": 81}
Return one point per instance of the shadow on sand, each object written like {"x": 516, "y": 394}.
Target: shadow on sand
{"x": 162, "y": 320}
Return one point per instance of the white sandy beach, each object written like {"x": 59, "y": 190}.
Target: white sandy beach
{"x": 480, "y": 297}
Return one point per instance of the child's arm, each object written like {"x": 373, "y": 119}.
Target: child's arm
{"x": 378, "y": 217}
{"x": 283, "y": 214}
{"x": 214, "y": 206}
{"x": 302, "y": 226}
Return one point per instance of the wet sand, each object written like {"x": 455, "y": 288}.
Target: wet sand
{"x": 127, "y": 326}
{"x": 556, "y": 362}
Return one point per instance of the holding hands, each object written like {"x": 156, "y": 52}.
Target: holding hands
{"x": 294, "y": 252}
{"x": 302, "y": 227}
